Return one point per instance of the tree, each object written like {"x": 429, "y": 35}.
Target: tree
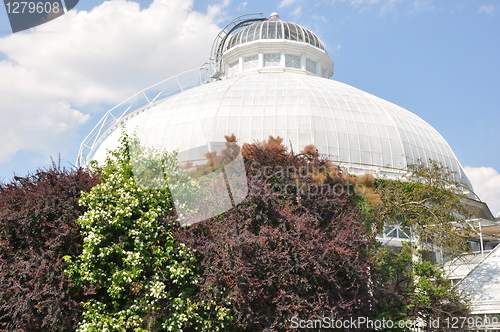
{"x": 429, "y": 201}
{"x": 295, "y": 247}
{"x": 37, "y": 228}
{"x": 431, "y": 204}
{"x": 144, "y": 278}
{"x": 415, "y": 289}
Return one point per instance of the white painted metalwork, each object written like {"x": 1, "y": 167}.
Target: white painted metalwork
{"x": 275, "y": 29}
{"x": 482, "y": 284}
{"x": 139, "y": 102}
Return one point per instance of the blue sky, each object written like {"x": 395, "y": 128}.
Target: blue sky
{"x": 438, "y": 59}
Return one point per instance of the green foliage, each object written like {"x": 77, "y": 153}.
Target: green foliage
{"x": 431, "y": 202}
{"x": 145, "y": 279}
{"x": 417, "y": 289}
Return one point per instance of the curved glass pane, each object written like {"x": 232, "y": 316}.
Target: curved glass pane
{"x": 279, "y": 30}
{"x": 272, "y": 30}
{"x": 300, "y": 34}
{"x": 251, "y": 32}
{"x": 232, "y": 41}
{"x": 244, "y": 36}
{"x": 265, "y": 27}
{"x": 286, "y": 31}
{"x": 310, "y": 38}
{"x": 293, "y": 31}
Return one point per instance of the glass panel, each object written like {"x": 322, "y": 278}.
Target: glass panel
{"x": 279, "y": 30}
{"x": 265, "y": 27}
{"x": 307, "y": 35}
{"x": 311, "y": 38}
{"x": 392, "y": 233}
{"x": 250, "y": 62}
{"x": 402, "y": 234}
{"x": 293, "y": 32}
{"x": 238, "y": 38}
{"x": 272, "y": 30}
{"x": 272, "y": 60}
{"x": 233, "y": 68}
{"x": 292, "y": 61}
{"x": 244, "y": 35}
{"x": 300, "y": 33}
{"x": 232, "y": 41}
{"x": 311, "y": 66}
{"x": 286, "y": 31}
{"x": 258, "y": 31}
{"x": 251, "y": 32}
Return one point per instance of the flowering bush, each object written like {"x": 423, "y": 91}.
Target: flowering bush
{"x": 145, "y": 279}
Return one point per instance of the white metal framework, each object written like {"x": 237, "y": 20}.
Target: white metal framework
{"x": 275, "y": 29}
{"x": 139, "y": 102}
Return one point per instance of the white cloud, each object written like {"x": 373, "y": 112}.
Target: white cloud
{"x": 286, "y": 3}
{"x": 83, "y": 59}
{"x": 486, "y": 183}
{"x": 385, "y": 6}
{"x": 487, "y": 9}
{"x": 242, "y": 6}
{"x": 297, "y": 12}
{"x": 357, "y": 3}
{"x": 389, "y": 6}
{"x": 422, "y": 5}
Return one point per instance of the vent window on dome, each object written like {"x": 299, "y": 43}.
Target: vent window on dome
{"x": 311, "y": 66}
{"x": 272, "y": 60}
{"x": 233, "y": 68}
{"x": 250, "y": 62}
{"x": 292, "y": 61}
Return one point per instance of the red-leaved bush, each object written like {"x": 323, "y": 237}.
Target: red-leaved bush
{"x": 290, "y": 249}
{"x": 37, "y": 228}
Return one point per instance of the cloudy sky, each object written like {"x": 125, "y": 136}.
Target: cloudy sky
{"x": 438, "y": 59}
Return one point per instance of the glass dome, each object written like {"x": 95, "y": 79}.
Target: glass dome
{"x": 275, "y": 29}
{"x": 280, "y": 88}
{"x": 353, "y": 128}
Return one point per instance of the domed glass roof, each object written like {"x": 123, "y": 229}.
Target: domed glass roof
{"x": 275, "y": 29}
{"x": 357, "y": 130}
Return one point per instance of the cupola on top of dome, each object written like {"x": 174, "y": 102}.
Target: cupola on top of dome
{"x": 270, "y": 45}
{"x": 274, "y": 28}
